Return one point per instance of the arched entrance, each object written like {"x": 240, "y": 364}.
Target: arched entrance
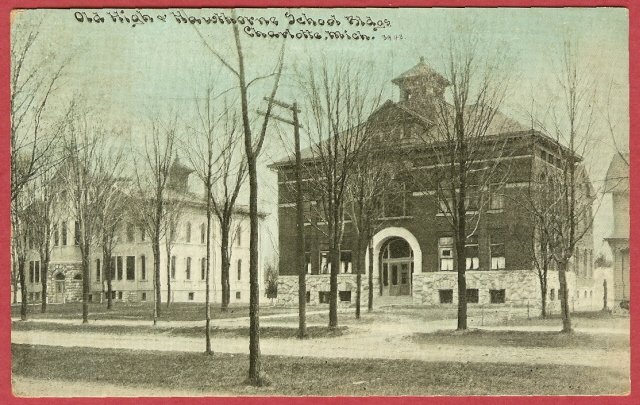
{"x": 385, "y": 239}
{"x": 396, "y": 259}
{"x": 59, "y": 287}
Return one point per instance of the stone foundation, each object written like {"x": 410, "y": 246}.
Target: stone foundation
{"x": 522, "y": 289}
{"x": 316, "y": 283}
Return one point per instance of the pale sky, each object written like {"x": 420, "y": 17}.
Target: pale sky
{"x": 126, "y": 73}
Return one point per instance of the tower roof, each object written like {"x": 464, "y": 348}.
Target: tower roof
{"x": 421, "y": 70}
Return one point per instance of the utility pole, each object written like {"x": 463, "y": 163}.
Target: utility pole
{"x": 300, "y": 250}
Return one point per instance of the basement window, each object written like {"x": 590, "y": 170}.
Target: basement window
{"x": 323, "y": 296}
{"x": 191, "y": 296}
{"x": 497, "y": 296}
{"x": 446, "y": 296}
{"x": 472, "y": 295}
{"x": 345, "y": 296}
{"x": 237, "y": 295}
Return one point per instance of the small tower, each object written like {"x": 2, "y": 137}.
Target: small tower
{"x": 179, "y": 176}
{"x": 420, "y": 84}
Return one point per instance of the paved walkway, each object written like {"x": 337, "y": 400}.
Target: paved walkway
{"x": 383, "y": 340}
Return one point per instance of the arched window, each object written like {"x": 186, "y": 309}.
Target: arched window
{"x": 188, "y": 232}
{"x": 203, "y": 233}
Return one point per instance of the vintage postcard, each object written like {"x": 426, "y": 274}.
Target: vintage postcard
{"x": 319, "y": 202}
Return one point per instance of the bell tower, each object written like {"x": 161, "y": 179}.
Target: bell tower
{"x": 420, "y": 84}
{"x": 179, "y": 176}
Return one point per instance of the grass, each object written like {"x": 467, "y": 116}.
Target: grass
{"x": 597, "y": 319}
{"x": 226, "y": 373}
{"x": 313, "y": 332}
{"x": 144, "y": 311}
{"x": 475, "y": 337}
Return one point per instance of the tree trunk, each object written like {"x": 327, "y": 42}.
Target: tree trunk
{"x": 43, "y": 279}
{"x": 168, "y": 276}
{"x": 370, "y": 301}
{"x": 564, "y": 297}
{"x": 605, "y": 305}
{"x": 358, "y": 267}
{"x": 462, "y": 284}
{"x": 255, "y": 375}
{"x": 543, "y": 302}
{"x": 86, "y": 284}
{"x": 207, "y": 313}
{"x": 334, "y": 254}
{"x": 23, "y": 289}
{"x": 156, "y": 278}
{"x": 224, "y": 270}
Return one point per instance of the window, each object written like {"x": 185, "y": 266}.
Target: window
{"x": 119, "y": 295}
{"x": 64, "y": 233}
{"x": 576, "y": 262}
{"x": 203, "y": 234}
{"x": 191, "y": 296}
{"x": 497, "y": 254}
{"x": 143, "y": 234}
{"x": 188, "y": 269}
{"x": 188, "y": 232}
{"x": 36, "y": 270}
{"x": 173, "y": 267}
{"x": 445, "y": 250}
{"x": 119, "y": 264}
{"x": 143, "y": 296}
{"x": 97, "y": 269}
{"x": 472, "y": 295}
{"x": 203, "y": 268}
{"x": 76, "y": 233}
{"x": 323, "y": 297}
{"x": 552, "y": 294}
{"x": 130, "y": 233}
{"x": 56, "y": 235}
{"x": 497, "y": 296}
{"x": 143, "y": 267}
{"x": 497, "y": 199}
{"x": 325, "y": 264}
{"x": 394, "y": 275}
{"x": 112, "y": 273}
{"x": 446, "y": 205}
{"x": 131, "y": 267}
{"x": 394, "y": 202}
{"x": 239, "y": 270}
{"x": 308, "y": 297}
{"x": 307, "y": 261}
{"x": 345, "y": 261}
{"x": 385, "y": 274}
{"x": 471, "y": 253}
{"x": 172, "y": 232}
{"x": 31, "y": 272}
{"x": 345, "y": 296}
{"x": 237, "y": 295}
{"x": 472, "y": 199}
{"x": 239, "y": 236}
{"x": 446, "y": 296}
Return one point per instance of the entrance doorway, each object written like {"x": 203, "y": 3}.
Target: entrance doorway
{"x": 58, "y": 293}
{"x": 396, "y": 261}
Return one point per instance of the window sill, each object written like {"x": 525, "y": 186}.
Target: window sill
{"x": 395, "y": 218}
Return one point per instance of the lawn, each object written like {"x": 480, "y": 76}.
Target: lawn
{"x": 475, "y": 337}
{"x": 278, "y": 332}
{"x": 226, "y": 373}
{"x": 578, "y": 320}
{"x": 144, "y": 311}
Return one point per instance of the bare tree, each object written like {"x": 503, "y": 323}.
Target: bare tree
{"x": 34, "y": 125}
{"x": 173, "y": 211}
{"x": 339, "y": 103}
{"x": 371, "y": 182}
{"x": 460, "y": 135}
{"x": 42, "y": 223}
{"x": 90, "y": 173}
{"x": 152, "y": 176}
{"x": 112, "y": 214}
{"x": 253, "y": 146}
{"x": 214, "y": 153}
{"x": 569, "y": 118}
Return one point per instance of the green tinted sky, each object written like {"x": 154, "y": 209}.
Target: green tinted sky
{"x": 127, "y": 72}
